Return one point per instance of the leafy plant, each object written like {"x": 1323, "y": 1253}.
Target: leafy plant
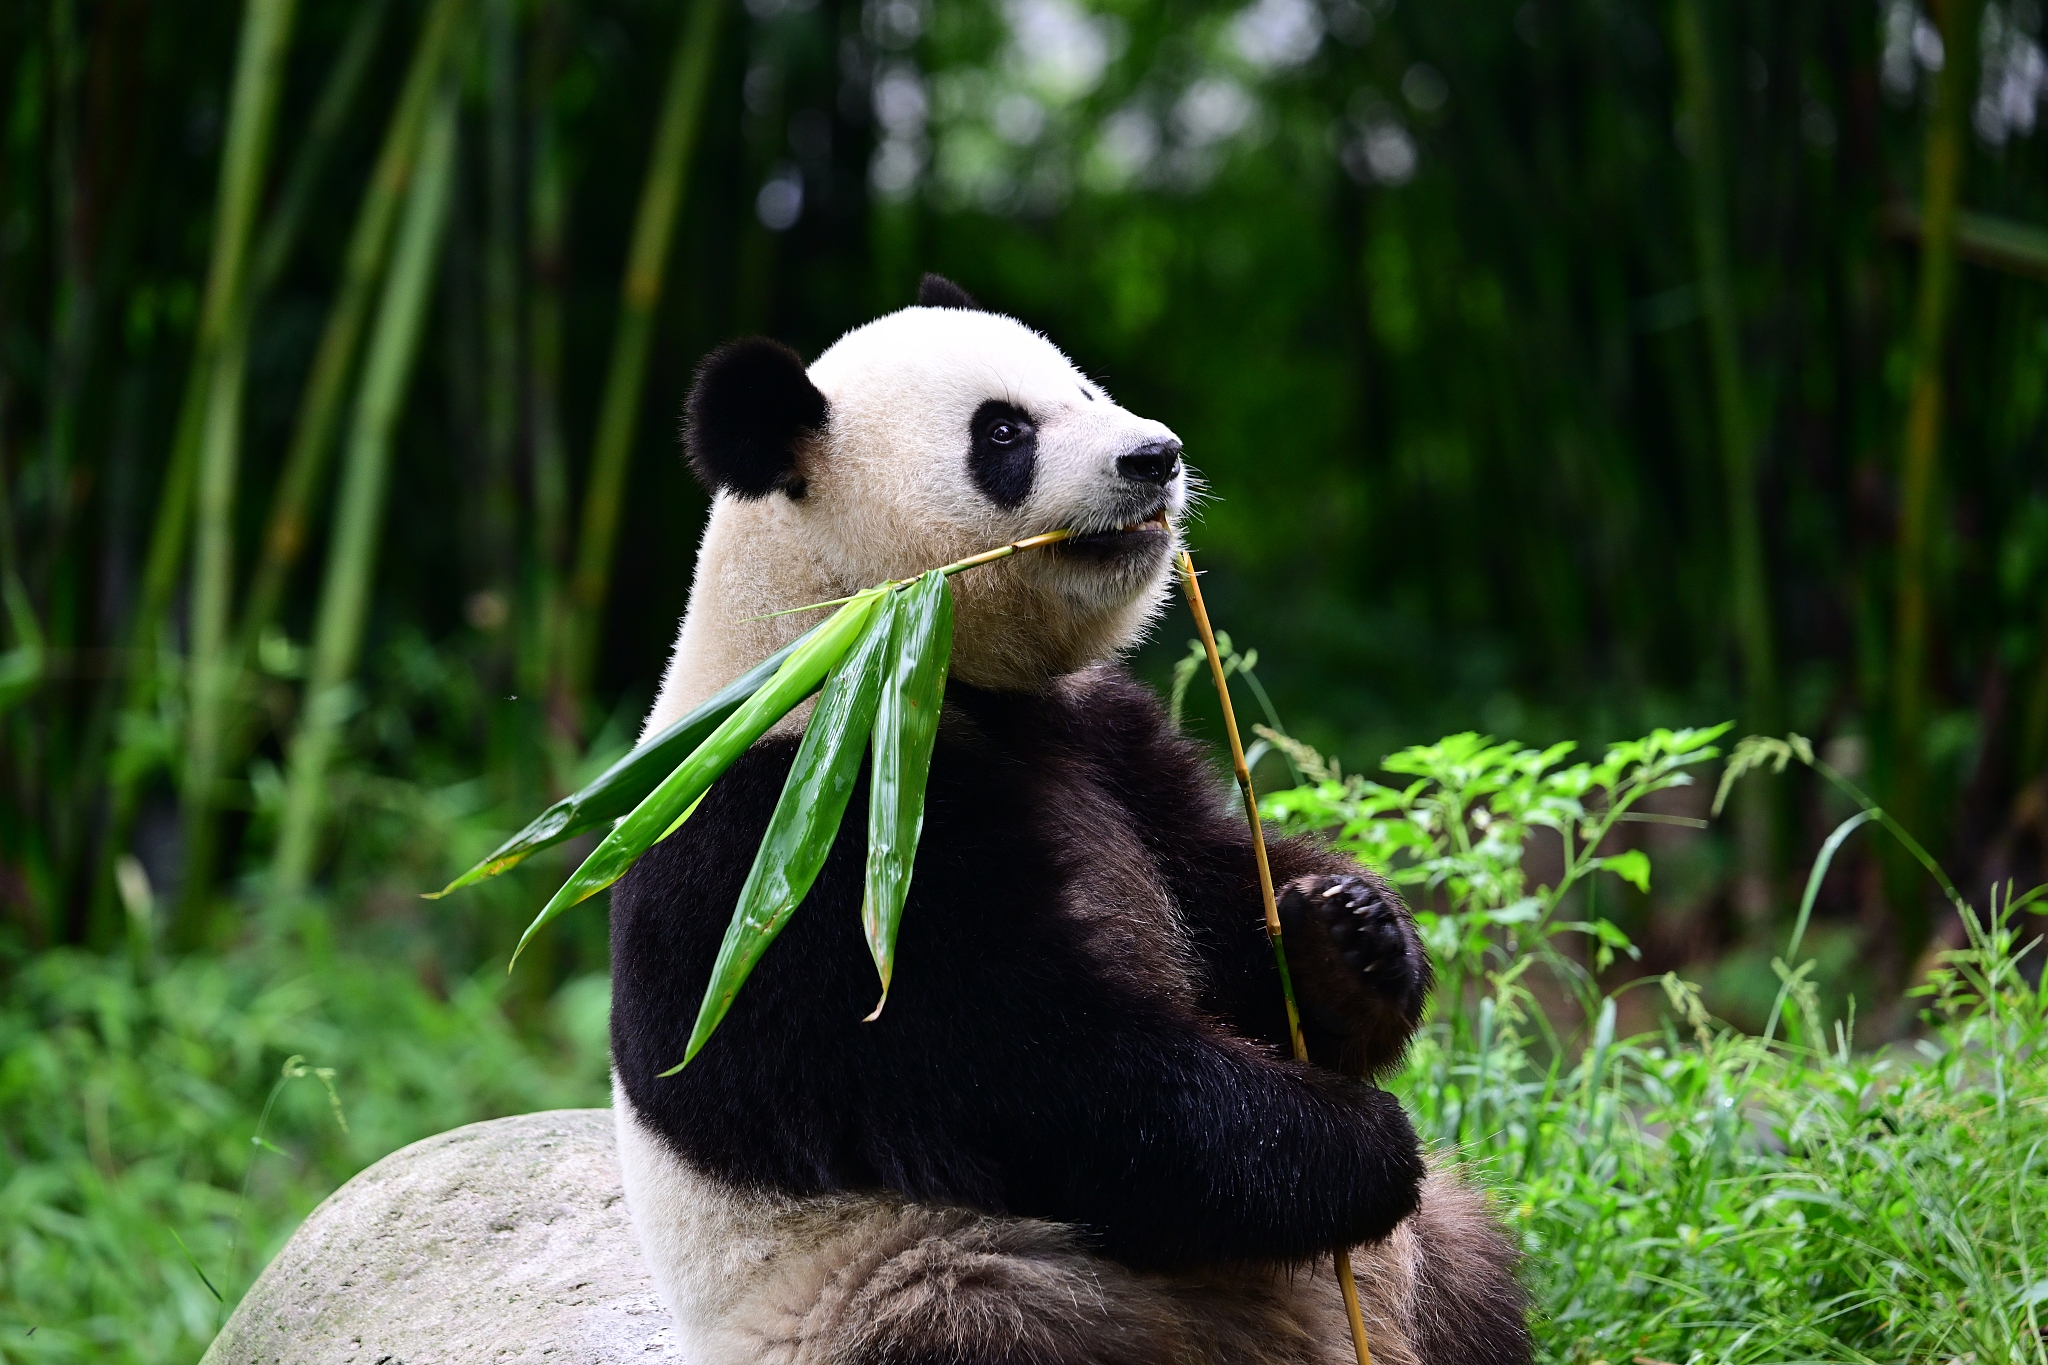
{"x": 1455, "y": 838}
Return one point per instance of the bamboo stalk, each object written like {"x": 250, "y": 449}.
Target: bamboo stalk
{"x": 1346, "y": 1282}
{"x": 352, "y": 555}
{"x": 130, "y": 690}
{"x": 668, "y": 168}
{"x": 174, "y": 503}
{"x": 312, "y": 437}
{"x": 315, "y": 151}
{"x": 1947, "y": 145}
{"x": 497, "y": 510}
{"x": 74, "y": 312}
{"x": 74, "y": 300}
{"x": 259, "y": 78}
{"x": 369, "y": 248}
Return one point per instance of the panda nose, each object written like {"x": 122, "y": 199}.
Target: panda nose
{"x": 1155, "y": 462}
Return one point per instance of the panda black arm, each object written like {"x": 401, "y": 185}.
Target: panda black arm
{"x": 1175, "y": 1150}
{"x": 1360, "y": 971}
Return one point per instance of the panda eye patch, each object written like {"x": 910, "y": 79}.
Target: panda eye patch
{"x": 1003, "y": 452}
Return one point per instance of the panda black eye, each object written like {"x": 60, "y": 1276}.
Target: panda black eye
{"x": 1003, "y": 452}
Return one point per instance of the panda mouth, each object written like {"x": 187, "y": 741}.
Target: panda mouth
{"x": 1132, "y": 538}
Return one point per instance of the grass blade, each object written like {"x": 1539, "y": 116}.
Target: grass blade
{"x": 193, "y": 1261}
{"x": 906, "y": 724}
{"x": 626, "y": 783}
{"x": 806, "y": 819}
{"x": 656, "y": 816}
{"x": 1820, "y": 872}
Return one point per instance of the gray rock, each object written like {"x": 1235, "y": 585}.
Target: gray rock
{"x": 501, "y": 1242}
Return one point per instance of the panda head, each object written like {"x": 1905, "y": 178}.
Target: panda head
{"x": 918, "y": 439}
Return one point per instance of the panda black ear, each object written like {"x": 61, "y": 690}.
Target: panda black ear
{"x": 749, "y": 407}
{"x": 936, "y": 291}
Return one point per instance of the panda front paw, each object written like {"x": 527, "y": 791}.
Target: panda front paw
{"x": 1359, "y": 967}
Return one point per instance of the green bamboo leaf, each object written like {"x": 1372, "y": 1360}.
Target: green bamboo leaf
{"x": 655, "y": 817}
{"x": 806, "y": 819}
{"x": 906, "y": 724}
{"x": 626, "y": 783}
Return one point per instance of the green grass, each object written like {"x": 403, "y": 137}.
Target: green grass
{"x": 128, "y": 1102}
{"x": 1696, "y": 1195}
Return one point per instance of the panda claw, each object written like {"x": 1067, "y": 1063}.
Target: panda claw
{"x": 1358, "y": 931}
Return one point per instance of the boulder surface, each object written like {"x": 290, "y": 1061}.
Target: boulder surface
{"x": 503, "y": 1242}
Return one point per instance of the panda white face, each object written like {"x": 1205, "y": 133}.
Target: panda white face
{"x": 921, "y": 438}
{"x": 953, "y": 430}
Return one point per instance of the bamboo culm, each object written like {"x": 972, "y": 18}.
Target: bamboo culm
{"x": 1948, "y": 145}
{"x": 259, "y": 78}
{"x": 320, "y": 407}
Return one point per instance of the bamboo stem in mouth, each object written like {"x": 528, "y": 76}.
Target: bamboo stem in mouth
{"x": 1346, "y": 1283}
{"x": 1004, "y": 551}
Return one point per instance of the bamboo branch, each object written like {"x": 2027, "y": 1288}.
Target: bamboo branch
{"x": 1346, "y": 1282}
{"x": 1982, "y": 238}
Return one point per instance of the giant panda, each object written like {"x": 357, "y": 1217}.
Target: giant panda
{"x": 1075, "y": 1133}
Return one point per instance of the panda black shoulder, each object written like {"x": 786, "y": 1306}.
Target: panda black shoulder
{"x": 749, "y": 409}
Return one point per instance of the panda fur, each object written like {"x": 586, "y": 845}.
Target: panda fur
{"x": 1074, "y": 1134}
